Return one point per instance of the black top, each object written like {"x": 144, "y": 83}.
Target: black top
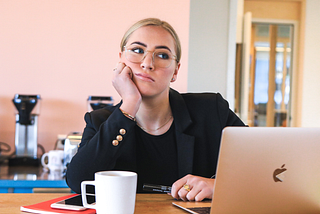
{"x": 199, "y": 119}
{"x": 156, "y": 158}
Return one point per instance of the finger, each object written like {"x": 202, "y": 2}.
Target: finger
{"x": 191, "y": 196}
{"x": 126, "y": 73}
{"x": 204, "y": 189}
{"x": 183, "y": 194}
{"x": 185, "y": 191}
{"x": 115, "y": 69}
{"x": 119, "y": 67}
{"x": 176, "y": 186}
{"x": 201, "y": 196}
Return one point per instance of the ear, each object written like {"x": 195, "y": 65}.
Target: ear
{"x": 175, "y": 74}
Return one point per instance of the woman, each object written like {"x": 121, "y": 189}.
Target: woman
{"x": 166, "y": 137}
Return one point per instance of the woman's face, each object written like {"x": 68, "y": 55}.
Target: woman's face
{"x": 154, "y": 73}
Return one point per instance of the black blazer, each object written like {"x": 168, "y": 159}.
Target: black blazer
{"x": 199, "y": 119}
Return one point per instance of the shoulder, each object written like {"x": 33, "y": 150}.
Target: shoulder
{"x": 98, "y": 116}
{"x": 206, "y": 96}
{"x": 102, "y": 112}
{"x": 198, "y": 100}
{"x": 195, "y": 103}
{"x": 212, "y": 100}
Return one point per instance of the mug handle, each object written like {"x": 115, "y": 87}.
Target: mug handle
{"x": 42, "y": 160}
{"x": 84, "y": 193}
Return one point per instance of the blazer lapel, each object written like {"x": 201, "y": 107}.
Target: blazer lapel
{"x": 185, "y": 143}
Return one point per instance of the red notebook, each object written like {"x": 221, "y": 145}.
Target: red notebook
{"x": 44, "y": 207}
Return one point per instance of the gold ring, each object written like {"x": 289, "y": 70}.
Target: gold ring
{"x": 187, "y": 187}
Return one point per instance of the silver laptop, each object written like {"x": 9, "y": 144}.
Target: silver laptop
{"x": 266, "y": 170}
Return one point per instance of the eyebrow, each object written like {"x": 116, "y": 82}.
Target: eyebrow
{"x": 157, "y": 47}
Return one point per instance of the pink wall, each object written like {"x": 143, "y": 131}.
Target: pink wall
{"x": 65, "y": 50}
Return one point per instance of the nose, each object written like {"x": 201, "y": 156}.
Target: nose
{"x": 147, "y": 62}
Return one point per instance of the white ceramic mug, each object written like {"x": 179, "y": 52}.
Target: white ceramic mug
{"x": 115, "y": 192}
{"x": 55, "y": 160}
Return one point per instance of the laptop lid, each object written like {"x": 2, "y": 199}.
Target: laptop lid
{"x": 268, "y": 170}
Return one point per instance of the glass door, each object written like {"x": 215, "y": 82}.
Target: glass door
{"x": 270, "y": 75}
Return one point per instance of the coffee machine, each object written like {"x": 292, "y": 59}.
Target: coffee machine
{"x": 97, "y": 102}
{"x": 26, "y": 132}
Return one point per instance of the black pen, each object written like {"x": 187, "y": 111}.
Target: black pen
{"x": 156, "y": 188}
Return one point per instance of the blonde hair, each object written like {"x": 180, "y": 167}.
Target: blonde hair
{"x": 153, "y": 22}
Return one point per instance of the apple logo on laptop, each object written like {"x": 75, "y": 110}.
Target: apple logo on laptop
{"x": 278, "y": 174}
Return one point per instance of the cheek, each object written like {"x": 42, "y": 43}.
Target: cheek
{"x": 172, "y": 71}
{"x": 168, "y": 74}
{"x": 124, "y": 60}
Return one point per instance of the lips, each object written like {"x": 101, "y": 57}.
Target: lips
{"x": 144, "y": 77}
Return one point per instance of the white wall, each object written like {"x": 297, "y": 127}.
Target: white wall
{"x": 212, "y": 45}
{"x": 311, "y": 69}
{"x": 208, "y": 42}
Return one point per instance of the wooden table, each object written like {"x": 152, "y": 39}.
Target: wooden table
{"x": 145, "y": 203}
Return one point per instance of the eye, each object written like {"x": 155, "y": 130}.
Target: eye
{"x": 162, "y": 55}
{"x": 137, "y": 50}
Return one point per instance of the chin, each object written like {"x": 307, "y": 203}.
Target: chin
{"x": 145, "y": 88}
{"x": 147, "y": 93}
